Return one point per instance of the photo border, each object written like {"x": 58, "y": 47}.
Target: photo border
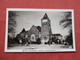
{"x": 53, "y": 50}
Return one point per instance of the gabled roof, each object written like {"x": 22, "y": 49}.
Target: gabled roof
{"x": 33, "y": 30}
{"x": 23, "y": 30}
{"x": 45, "y": 16}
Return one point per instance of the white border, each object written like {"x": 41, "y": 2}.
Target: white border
{"x": 54, "y": 50}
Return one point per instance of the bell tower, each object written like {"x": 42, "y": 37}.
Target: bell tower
{"x": 45, "y": 29}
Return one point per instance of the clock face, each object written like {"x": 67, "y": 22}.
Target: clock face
{"x": 45, "y": 20}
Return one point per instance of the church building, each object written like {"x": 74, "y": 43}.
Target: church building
{"x": 41, "y": 34}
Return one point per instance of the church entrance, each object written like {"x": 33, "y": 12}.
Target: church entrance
{"x": 45, "y": 39}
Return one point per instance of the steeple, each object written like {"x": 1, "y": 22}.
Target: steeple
{"x": 45, "y": 16}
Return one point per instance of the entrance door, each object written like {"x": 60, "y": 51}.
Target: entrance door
{"x": 45, "y": 39}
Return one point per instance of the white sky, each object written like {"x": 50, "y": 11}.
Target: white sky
{"x": 26, "y": 19}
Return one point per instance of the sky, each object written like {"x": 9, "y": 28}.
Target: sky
{"x": 25, "y": 19}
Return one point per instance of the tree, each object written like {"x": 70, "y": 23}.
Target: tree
{"x": 67, "y": 23}
{"x": 11, "y": 26}
{"x": 67, "y": 20}
{"x": 11, "y": 21}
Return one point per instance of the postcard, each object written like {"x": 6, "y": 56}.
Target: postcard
{"x": 39, "y": 30}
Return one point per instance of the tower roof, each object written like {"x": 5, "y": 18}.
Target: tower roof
{"x": 45, "y": 16}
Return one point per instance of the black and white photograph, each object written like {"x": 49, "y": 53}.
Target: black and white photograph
{"x": 39, "y": 30}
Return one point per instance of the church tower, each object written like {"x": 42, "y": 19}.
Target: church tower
{"x": 45, "y": 29}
